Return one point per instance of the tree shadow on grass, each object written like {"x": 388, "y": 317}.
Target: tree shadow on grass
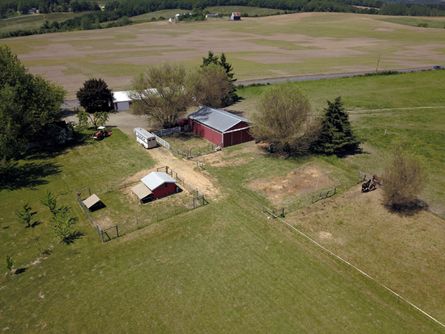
{"x": 27, "y": 175}
{"x": 51, "y": 151}
{"x": 408, "y": 209}
{"x": 73, "y": 237}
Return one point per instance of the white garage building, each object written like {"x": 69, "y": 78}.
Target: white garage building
{"x": 122, "y": 100}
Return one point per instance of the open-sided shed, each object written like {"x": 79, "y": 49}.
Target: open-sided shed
{"x": 93, "y": 202}
{"x": 219, "y": 126}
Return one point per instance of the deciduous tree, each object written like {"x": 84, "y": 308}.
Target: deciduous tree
{"x": 96, "y": 98}
{"x": 209, "y": 86}
{"x": 403, "y": 180}
{"x": 161, "y": 94}
{"x": 211, "y": 59}
{"x": 29, "y": 107}
{"x": 25, "y": 215}
{"x": 283, "y": 119}
{"x": 63, "y": 224}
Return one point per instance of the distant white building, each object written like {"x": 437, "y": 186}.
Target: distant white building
{"x": 122, "y": 100}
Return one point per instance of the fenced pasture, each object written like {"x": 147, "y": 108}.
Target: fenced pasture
{"x": 184, "y": 144}
{"x": 222, "y": 268}
{"x": 123, "y": 212}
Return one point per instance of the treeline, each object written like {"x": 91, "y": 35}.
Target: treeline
{"x": 96, "y": 20}
{"x": 137, "y": 7}
{"x": 10, "y": 8}
{"x": 403, "y": 9}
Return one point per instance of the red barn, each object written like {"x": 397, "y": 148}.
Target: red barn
{"x": 159, "y": 185}
{"x": 220, "y": 127}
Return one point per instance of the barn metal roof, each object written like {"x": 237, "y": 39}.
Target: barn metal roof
{"x": 217, "y": 119}
{"x": 155, "y": 179}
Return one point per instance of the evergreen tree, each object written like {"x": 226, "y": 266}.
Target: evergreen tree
{"x": 211, "y": 59}
{"x": 232, "y": 96}
{"x": 336, "y": 135}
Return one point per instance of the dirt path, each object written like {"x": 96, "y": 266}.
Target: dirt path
{"x": 187, "y": 170}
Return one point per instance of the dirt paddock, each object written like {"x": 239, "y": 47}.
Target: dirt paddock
{"x": 306, "y": 179}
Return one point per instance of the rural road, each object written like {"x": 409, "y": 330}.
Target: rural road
{"x": 71, "y": 104}
{"x": 311, "y": 77}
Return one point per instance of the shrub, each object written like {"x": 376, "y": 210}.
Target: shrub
{"x": 403, "y": 180}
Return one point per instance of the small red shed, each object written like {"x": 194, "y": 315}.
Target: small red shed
{"x": 219, "y": 126}
{"x": 160, "y": 184}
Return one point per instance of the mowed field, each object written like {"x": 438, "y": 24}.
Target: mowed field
{"x": 33, "y": 21}
{"x": 257, "y": 47}
{"x": 226, "y": 267}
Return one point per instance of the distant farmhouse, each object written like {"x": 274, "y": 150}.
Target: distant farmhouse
{"x": 220, "y": 127}
{"x": 236, "y": 16}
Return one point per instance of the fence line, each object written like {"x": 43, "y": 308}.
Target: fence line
{"x": 162, "y": 142}
{"x": 168, "y": 132}
{"x": 324, "y": 195}
{"x": 115, "y": 231}
{"x": 362, "y": 272}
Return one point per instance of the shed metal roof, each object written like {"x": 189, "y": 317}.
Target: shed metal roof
{"x": 91, "y": 201}
{"x": 156, "y": 179}
{"x": 217, "y": 119}
{"x": 141, "y": 190}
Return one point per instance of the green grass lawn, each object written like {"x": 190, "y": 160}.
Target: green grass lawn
{"x": 34, "y": 21}
{"x": 420, "y": 129}
{"x": 415, "y": 22}
{"x": 165, "y": 13}
{"x": 223, "y": 267}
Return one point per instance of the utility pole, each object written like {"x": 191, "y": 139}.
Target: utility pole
{"x": 377, "y": 65}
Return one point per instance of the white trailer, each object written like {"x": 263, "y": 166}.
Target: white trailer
{"x": 145, "y": 138}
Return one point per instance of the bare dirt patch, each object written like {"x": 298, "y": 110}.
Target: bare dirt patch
{"x": 187, "y": 170}
{"x": 302, "y": 180}
{"x": 104, "y": 222}
{"x": 232, "y": 158}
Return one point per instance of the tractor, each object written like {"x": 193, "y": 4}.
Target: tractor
{"x": 101, "y": 133}
{"x": 371, "y": 184}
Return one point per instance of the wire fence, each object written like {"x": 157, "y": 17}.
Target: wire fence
{"x": 194, "y": 152}
{"x": 179, "y": 204}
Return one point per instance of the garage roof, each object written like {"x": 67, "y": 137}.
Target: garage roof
{"x": 126, "y": 95}
{"x": 122, "y": 96}
{"x": 217, "y": 119}
{"x": 155, "y": 179}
